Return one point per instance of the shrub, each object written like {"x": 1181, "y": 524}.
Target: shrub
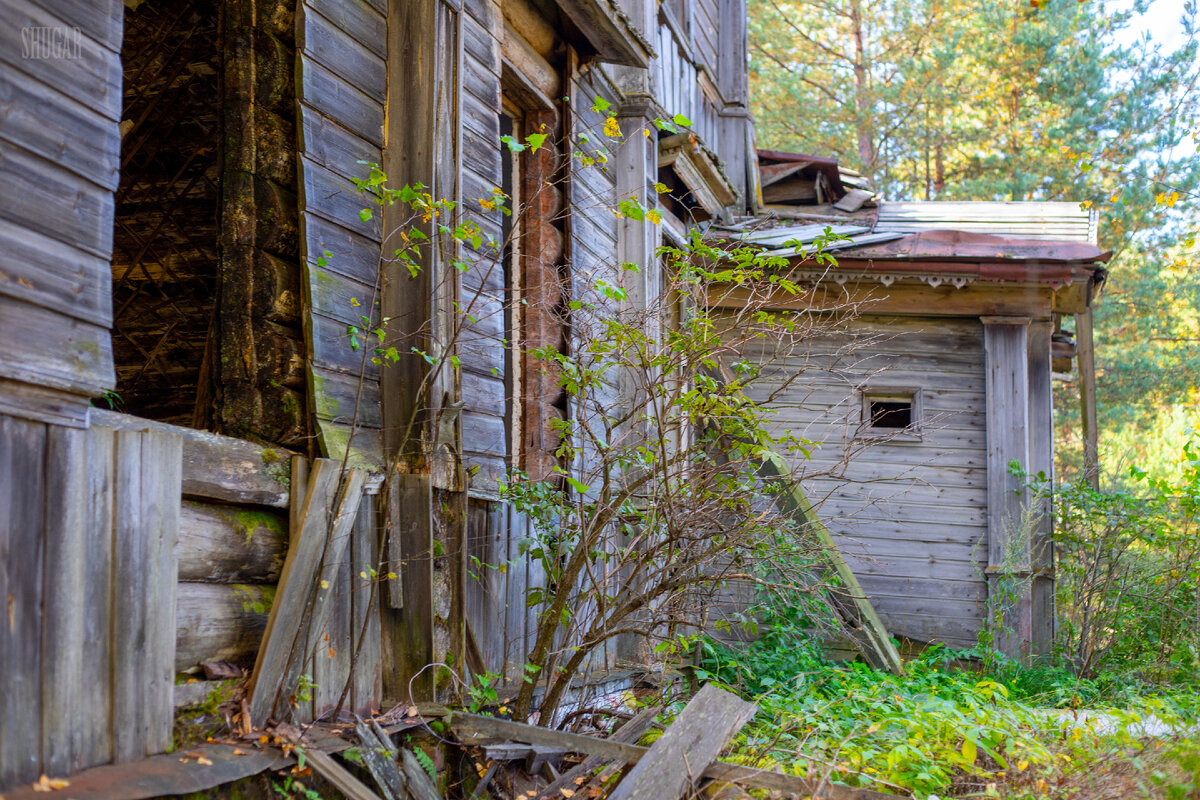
{"x": 1127, "y": 571}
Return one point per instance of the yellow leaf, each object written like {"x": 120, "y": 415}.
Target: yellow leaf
{"x": 324, "y": 584}
{"x": 46, "y": 784}
{"x": 611, "y": 129}
{"x": 654, "y": 216}
{"x": 568, "y": 792}
{"x": 969, "y": 751}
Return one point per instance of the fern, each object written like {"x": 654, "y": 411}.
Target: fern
{"x": 426, "y": 762}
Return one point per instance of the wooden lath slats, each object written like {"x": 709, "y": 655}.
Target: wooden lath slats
{"x": 165, "y": 243}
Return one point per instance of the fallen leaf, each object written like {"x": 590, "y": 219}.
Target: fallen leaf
{"x": 567, "y": 792}
{"x": 412, "y": 711}
{"x": 237, "y": 752}
{"x": 202, "y": 760}
{"x": 46, "y": 784}
{"x": 579, "y": 781}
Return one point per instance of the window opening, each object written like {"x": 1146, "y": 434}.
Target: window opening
{"x": 894, "y": 412}
{"x": 891, "y": 413}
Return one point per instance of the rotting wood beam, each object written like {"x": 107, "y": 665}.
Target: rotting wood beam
{"x": 471, "y": 727}
{"x": 693, "y": 741}
{"x": 276, "y": 658}
{"x": 628, "y": 733}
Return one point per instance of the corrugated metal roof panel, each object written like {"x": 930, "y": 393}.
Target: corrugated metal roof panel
{"x": 1027, "y": 220}
{"x": 803, "y": 233}
{"x": 859, "y": 240}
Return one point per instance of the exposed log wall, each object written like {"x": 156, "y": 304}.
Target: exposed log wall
{"x": 259, "y": 353}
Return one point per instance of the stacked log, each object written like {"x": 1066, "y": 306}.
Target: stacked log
{"x": 229, "y": 562}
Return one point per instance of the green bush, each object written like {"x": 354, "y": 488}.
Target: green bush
{"x": 1127, "y": 573}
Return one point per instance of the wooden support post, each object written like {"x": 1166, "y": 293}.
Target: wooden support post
{"x": 1041, "y": 462}
{"x": 1006, "y": 353}
{"x": 409, "y": 643}
{"x": 408, "y": 158}
{"x": 1085, "y": 355}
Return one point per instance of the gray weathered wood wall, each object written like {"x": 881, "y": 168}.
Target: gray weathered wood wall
{"x": 236, "y": 519}
{"x": 910, "y": 514}
{"x": 341, "y": 93}
{"x": 87, "y": 562}
{"x": 60, "y": 80}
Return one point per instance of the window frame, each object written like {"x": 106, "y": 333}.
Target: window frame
{"x": 914, "y": 432}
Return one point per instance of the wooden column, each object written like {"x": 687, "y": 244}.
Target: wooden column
{"x": 1006, "y": 349}
{"x": 422, "y": 131}
{"x": 732, "y": 79}
{"x": 408, "y": 158}
{"x": 1085, "y": 355}
{"x": 1041, "y": 461}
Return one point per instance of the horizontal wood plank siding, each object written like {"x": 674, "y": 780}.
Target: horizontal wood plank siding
{"x": 342, "y": 87}
{"x": 483, "y": 289}
{"x": 59, "y": 157}
{"x": 910, "y": 516}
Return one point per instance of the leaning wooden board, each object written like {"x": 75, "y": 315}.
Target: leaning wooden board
{"x": 677, "y": 760}
{"x": 471, "y": 727}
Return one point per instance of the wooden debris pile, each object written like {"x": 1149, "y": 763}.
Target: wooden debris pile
{"x": 474, "y": 757}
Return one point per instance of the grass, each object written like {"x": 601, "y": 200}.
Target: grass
{"x": 944, "y": 729}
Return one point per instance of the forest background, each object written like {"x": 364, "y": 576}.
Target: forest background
{"x": 1025, "y": 100}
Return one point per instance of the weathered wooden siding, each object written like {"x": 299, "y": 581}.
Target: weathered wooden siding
{"x": 341, "y": 90}
{"x": 59, "y": 145}
{"x": 87, "y": 563}
{"x": 484, "y": 291}
{"x": 910, "y": 516}
{"x": 232, "y": 503}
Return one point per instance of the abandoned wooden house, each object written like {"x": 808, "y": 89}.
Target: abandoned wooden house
{"x": 184, "y": 264}
{"x": 921, "y": 401}
{"x": 182, "y": 242}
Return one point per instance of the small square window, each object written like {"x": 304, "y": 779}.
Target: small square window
{"x": 892, "y": 412}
